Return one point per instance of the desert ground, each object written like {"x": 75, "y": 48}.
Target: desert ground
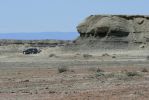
{"x": 56, "y": 74}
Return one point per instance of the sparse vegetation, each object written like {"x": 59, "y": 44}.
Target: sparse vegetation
{"x": 144, "y": 70}
{"x": 87, "y": 56}
{"x": 52, "y": 55}
{"x": 98, "y": 74}
{"x": 111, "y": 75}
{"x": 118, "y": 75}
{"x": 132, "y": 74}
{"x": 105, "y": 54}
{"x": 62, "y": 69}
{"x": 25, "y": 81}
{"x": 113, "y": 56}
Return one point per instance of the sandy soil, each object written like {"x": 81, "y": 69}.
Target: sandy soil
{"x": 102, "y": 75}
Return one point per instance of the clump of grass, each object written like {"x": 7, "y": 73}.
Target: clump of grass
{"x": 52, "y": 55}
{"x": 119, "y": 75}
{"x": 113, "y": 56}
{"x": 87, "y": 56}
{"x": 144, "y": 70}
{"x": 99, "y": 74}
{"x": 132, "y": 74}
{"x": 62, "y": 69}
{"x": 110, "y": 75}
{"x": 105, "y": 54}
{"x": 25, "y": 81}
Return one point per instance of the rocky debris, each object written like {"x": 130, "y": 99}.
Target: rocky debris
{"x": 116, "y": 27}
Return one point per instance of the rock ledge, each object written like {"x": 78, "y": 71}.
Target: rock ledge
{"x": 116, "y": 27}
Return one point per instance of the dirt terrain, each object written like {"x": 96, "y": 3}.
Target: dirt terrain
{"x": 109, "y": 61}
{"x": 56, "y": 74}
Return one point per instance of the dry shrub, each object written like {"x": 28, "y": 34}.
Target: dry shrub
{"x": 87, "y": 56}
{"x": 113, "y": 56}
{"x": 99, "y": 74}
{"x": 105, "y": 54}
{"x": 132, "y": 74}
{"x": 144, "y": 70}
{"x": 62, "y": 69}
{"x": 123, "y": 76}
{"x": 52, "y": 55}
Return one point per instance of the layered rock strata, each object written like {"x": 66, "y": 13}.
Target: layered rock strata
{"x": 131, "y": 28}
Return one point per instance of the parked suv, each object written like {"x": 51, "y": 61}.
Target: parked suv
{"x": 31, "y": 51}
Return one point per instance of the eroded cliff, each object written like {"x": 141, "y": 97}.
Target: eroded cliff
{"x": 131, "y": 28}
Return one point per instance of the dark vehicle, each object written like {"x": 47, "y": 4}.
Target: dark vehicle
{"x": 31, "y": 51}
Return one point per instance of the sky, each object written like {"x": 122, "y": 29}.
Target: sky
{"x": 60, "y": 15}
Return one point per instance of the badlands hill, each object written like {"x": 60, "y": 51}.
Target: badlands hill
{"x": 117, "y": 31}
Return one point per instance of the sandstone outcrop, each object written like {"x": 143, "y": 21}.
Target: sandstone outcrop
{"x": 131, "y": 28}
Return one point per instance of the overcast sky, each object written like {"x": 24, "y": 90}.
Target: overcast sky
{"x": 60, "y": 15}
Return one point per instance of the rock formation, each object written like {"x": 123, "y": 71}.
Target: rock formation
{"x": 131, "y": 28}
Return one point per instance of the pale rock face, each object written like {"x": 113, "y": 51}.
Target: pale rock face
{"x": 130, "y": 28}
